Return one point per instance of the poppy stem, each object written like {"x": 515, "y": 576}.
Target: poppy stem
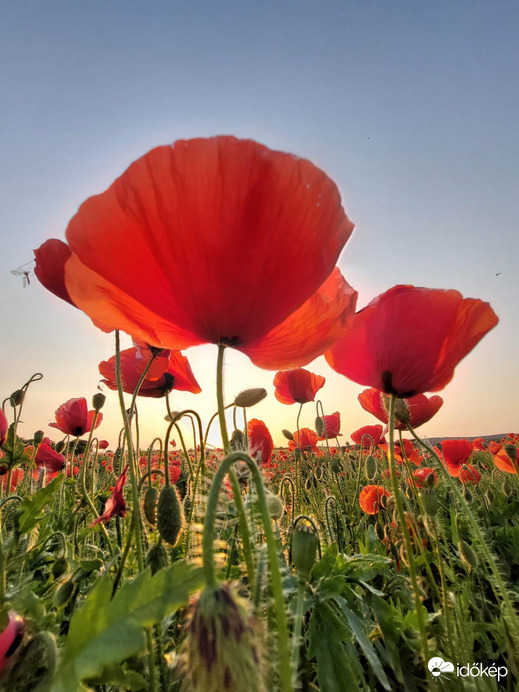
{"x": 405, "y": 531}
{"x": 219, "y": 398}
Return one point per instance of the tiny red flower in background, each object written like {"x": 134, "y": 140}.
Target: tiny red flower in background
{"x": 494, "y": 447}
{"x": 48, "y": 457}
{"x": 332, "y": 425}
{"x": 469, "y": 474}
{"x": 421, "y": 408}
{"x": 374, "y": 432}
{"x": 455, "y": 453}
{"x": 410, "y": 451}
{"x": 51, "y": 258}
{"x": 104, "y": 444}
{"x": 115, "y": 506}
{"x": 369, "y": 498}
{"x": 421, "y": 474}
{"x": 197, "y": 208}
{"x": 169, "y": 370}
{"x": 297, "y": 386}
{"x": 74, "y": 418}
{"x": 409, "y": 340}
{"x": 308, "y": 441}
{"x": 260, "y": 441}
{"x": 4, "y": 427}
{"x": 479, "y": 443}
{"x": 16, "y": 477}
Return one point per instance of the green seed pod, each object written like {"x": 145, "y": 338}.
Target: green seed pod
{"x": 275, "y": 505}
{"x": 38, "y": 437}
{"x": 60, "y": 567}
{"x": 394, "y": 552}
{"x": 468, "y": 556}
{"x": 430, "y": 502}
{"x": 157, "y": 558}
{"x": 222, "y": 648}
{"x": 170, "y": 515}
{"x": 507, "y": 488}
{"x": 64, "y": 594}
{"x": 371, "y": 467}
{"x": 379, "y": 530}
{"x": 150, "y": 505}
{"x": 98, "y": 401}
{"x": 304, "y": 550}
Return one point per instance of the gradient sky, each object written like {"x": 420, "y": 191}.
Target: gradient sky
{"x": 412, "y": 108}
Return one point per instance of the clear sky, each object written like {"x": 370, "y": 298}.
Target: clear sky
{"x": 412, "y": 108}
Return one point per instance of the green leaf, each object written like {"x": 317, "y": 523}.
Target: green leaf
{"x": 324, "y": 567}
{"x": 104, "y": 632}
{"x": 31, "y": 506}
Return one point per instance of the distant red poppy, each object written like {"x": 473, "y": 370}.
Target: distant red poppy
{"x": 73, "y": 417}
{"x": 48, "y": 457}
{"x": 4, "y": 428}
{"x": 409, "y": 340}
{"x": 494, "y": 447}
{"x": 260, "y": 441}
{"x": 195, "y": 239}
{"x": 175, "y": 470}
{"x": 503, "y": 461}
{"x": 308, "y": 440}
{"x": 297, "y": 386}
{"x": 479, "y": 443}
{"x": 369, "y": 498}
{"x": 421, "y": 474}
{"x": 455, "y": 453}
{"x": 115, "y": 506}
{"x": 374, "y": 432}
{"x": 103, "y": 444}
{"x": 16, "y": 477}
{"x": 332, "y": 425}
{"x": 51, "y": 258}
{"x": 420, "y": 408}
{"x": 469, "y": 474}
{"x": 169, "y": 370}
{"x": 410, "y": 451}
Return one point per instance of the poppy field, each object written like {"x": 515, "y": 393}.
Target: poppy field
{"x": 369, "y": 559}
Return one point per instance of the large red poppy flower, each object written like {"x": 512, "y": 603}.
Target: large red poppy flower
{"x": 305, "y": 439}
{"x": 455, "y": 453}
{"x": 190, "y": 245}
{"x": 51, "y": 258}
{"x": 374, "y": 432}
{"x": 4, "y": 427}
{"x": 331, "y": 425}
{"x": 73, "y": 417}
{"x": 260, "y": 441}
{"x": 420, "y": 408}
{"x": 369, "y": 498}
{"x": 409, "y": 340}
{"x": 48, "y": 457}
{"x": 469, "y": 474}
{"x": 169, "y": 370}
{"x": 297, "y": 386}
{"x": 115, "y": 506}
{"x": 421, "y": 475}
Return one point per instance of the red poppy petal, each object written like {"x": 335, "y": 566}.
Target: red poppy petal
{"x": 198, "y": 234}
{"x": 308, "y": 331}
{"x": 50, "y": 267}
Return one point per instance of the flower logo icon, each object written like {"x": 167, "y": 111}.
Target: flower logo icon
{"x": 438, "y": 667}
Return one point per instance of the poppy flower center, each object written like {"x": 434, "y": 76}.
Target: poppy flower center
{"x": 231, "y": 341}
{"x": 387, "y": 381}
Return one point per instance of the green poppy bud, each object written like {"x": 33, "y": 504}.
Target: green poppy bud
{"x": 304, "y": 550}
{"x": 98, "y": 401}
{"x": 38, "y": 437}
{"x": 507, "y": 488}
{"x": 379, "y": 530}
{"x": 250, "y": 397}
{"x": 319, "y": 426}
{"x": 170, "y": 515}
{"x": 490, "y": 496}
{"x": 64, "y": 594}
{"x": 297, "y": 452}
{"x": 150, "y": 505}
{"x": 430, "y": 502}
{"x": 468, "y": 556}
{"x": 287, "y": 434}
{"x": 157, "y": 558}
{"x": 371, "y": 467}
{"x": 18, "y": 396}
{"x": 467, "y": 495}
{"x": 275, "y": 505}
{"x": 59, "y": 446}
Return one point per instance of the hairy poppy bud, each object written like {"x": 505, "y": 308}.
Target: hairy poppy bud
{"x": 287, "y": 434}
{"x": 237, "y": 441}
{"x": 64, "y": 594}
{"x": 17, "y": 396}
{"x": 60, "y": 567}
{"x": 98, "y": 401}
{"x": 157, "y": 558}
{"x": 429, "y": 480}
{"x": 468, "y": 556}
{"x": 59, "y": 446}
{"x": 371, "y": 467}
{"x": 170, "y": 516}
{"x": 275, "y": 505}
{"x": 430, "y": 502}
{"x": 489, "y": 496}
{"x": 221, "y": 649}
{"x": 304, "y": 550}
{"x": 250, "y": 397}
{"x": 507, "y": 488}
{"x": 401, "y": 409}
{"x": 319, "y": 426}
{"x": 391, "y": 502}
{"x": 297, "y": 452}
{"x": 150, "y": 505}
{"x": 38, "y": 437}
{"x": 383, "y": 501}
{"x": 379, "y": 530}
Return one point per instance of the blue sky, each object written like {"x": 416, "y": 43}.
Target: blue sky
{"x": 412, "y": 108}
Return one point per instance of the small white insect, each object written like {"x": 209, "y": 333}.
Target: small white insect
{"x": 24, "y": 273}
